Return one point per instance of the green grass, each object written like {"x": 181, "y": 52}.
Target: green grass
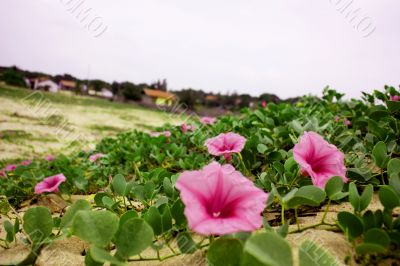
{"x": 31, "y": 122}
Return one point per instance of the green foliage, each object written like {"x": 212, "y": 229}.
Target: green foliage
{"x": 334, "y": 187}
{"x": 38, "y": 224}
{"x": 225, "y": 251}
{"x": 95, "y": 227}
{"x": 267, "y": 249}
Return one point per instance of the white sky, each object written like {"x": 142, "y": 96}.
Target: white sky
{"x": 289, "y": 48}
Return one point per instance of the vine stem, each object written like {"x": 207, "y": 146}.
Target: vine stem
{"x": 243, "y": 165}
{"x": 283, "y": 215}
{"x": 326, "y": 211}
{"x": 297, "y": 219}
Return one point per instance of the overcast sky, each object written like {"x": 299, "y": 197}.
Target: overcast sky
{"x": 289, "y": 48}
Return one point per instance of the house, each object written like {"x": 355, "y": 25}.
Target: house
{"x": 106, "y": 93}
{"x": 67, "y": 85}
{"x": 42, "y": 83}
{"x": 158, "y": 97}
{"x": 47, "y": 85}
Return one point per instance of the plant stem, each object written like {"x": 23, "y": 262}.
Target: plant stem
{"x": 297, "y": 219}
{"x": 326, "y": 211}
{"x": 247, "y": 172}
{"x": 283, "y": 215}
{"x": 382, "y": 178}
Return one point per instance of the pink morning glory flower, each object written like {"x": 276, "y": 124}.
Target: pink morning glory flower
{"x": 220, "y": 200}
{"x": 206, "y": 120}
{"x": 319, "y": 159}
{"x": 394, "y": 98}
{"x": 157, "y": 134}
{"x": 10, "y": 167}
{"x": 50, "y": 184}
{"x": 225, "y": 144}
{"x": 264, "y": 104}
{"x": 346, "y": 122}
{"x": 337, "y": 118}
{"x": 185, "y": 128}
{"x": 50, "y": 158}
{"x": 26, "y": 162}
{"x": 3, "y": 173}
{"x": 95, "y": 156}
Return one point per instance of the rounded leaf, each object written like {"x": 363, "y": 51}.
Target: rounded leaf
{"x": 267, "y": 249}
{"x": 388, "y": 197}
{"x": 38, "y": 224}
{"x": 134, "y": 236}
{"x": 350, "y": 224}
{"x": 95, "y": 227}
{"x": 225, "y": 252}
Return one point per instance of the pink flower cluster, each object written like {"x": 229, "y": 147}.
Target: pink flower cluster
{"x": 185, "y": 128}
{"x": 167, "y": 134}
{"x": 220, "y": 200}
{"x": 346, "y": 121}
{"x": 50, "y": 184}
{"x": 12, "y": 167}
{"x": 394, "y": 98}
{"x": 225, "y": 144}
{"x": 319, "y": 159}
{"x": 95, "y": 157}
{"x": 206, "y": 120}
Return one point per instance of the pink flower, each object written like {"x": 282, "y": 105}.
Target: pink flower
{"x": 319, "y": 159}
{"x": 11, "y": 167}
{"x": 394, "y": 98}
{"x": 3, "y": 173}
{"x": 346, "y": 122}
{"x": 50, "y": 158}
{"x": 95, "y": 156}
{"x": 50, "y": 184}
{"x": 185, "y": 128}
{"x": 337, "y": 118}
{"x": 157, "y": 134}
{"x": 206, "y": 120}
{"x": 26, "y": 162}
{"x": 219, "y": 200}
{"x": 264, "y": 104}
{"x": 225, "y": 144}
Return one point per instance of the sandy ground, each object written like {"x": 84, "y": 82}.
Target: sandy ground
{"x": 28, "y": 129}
{"x": 70, "y": 251}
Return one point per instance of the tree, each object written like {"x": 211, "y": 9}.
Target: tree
{"x": 131, "y": 91}
{"x": 14, "y": 78}
{"x": 115, "y": 88}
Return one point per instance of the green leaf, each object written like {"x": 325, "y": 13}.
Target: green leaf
{"x": 351, "y": 225}
{"x": 127, "y": 216}
{"x": 89, "y": 261}
{"x": 262, "y": 148}
{"x": 267, "y": 249}
{"x": 366, "y": 197}
{"x": 95, "y": 227}
{"x": 177, "y": 212}
{"x": 334, "y": 187}
{"x": 9, "y": 228}
{"x": 354, "y": 197}
{"x": 394, "y": 183}
{"x": 393, "y": 167}
{"x": 311, "y": 254}
{"x": 225, "y": 252}
{"x": 38, "y": 224}
{"x": 79, "y": 205}
{"x": 369, "y": 220}
{"x": 307, "y": 195}
{"x": 185, "y": 243}
{"x": 378, "y": 237}
{"x": 134, "y": 236}
{"x": 102, "y": 256}
{"x": 367, "y": 248}
{"x": 153, "y": 217}
{"x": 283, "y": 230}
{"x": 119, "y": 184}
{"x": 388, "y": 197}
{"x": 379, "y": 154}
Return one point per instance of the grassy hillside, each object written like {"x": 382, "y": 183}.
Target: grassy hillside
{"x": 34, "y": 123}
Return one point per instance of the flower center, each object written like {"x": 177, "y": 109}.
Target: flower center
{"x": 216, "y": 214}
